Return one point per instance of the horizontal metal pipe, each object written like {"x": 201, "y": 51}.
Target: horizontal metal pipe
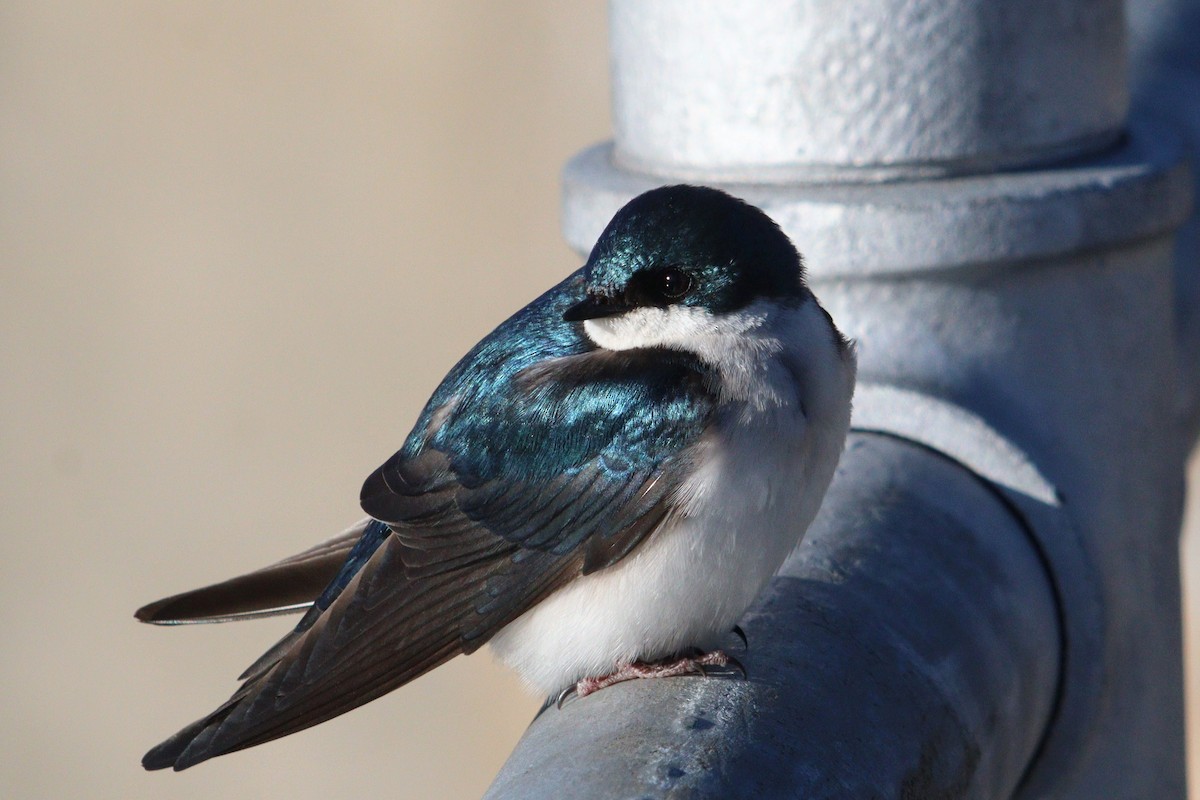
{"x": 911, "y": 647}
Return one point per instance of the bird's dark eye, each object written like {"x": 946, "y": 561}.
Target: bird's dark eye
{"x": 674, "y": 283}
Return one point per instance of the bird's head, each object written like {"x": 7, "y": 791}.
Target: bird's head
{"x": 682, "y": 258}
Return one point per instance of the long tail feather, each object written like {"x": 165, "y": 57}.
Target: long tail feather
{"x": 287, "y": 586}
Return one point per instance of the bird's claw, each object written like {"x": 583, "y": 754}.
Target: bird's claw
{"x": 741, "y": 634}
{"x": 721, "y": 660}
{"x": 564, "y": 694}
{"x": 695, "y": 663}
{"x": 730, "y": 661}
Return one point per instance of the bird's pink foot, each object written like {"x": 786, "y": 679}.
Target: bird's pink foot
{"x": 666, "y": 668}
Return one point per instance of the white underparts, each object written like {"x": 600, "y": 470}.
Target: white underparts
{"x": 763, "y": 467}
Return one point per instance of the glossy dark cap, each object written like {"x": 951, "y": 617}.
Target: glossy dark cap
{"x": 724, "y": 251}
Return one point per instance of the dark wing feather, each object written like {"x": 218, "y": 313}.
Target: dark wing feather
{"x": 384, "y": 629}
{"x": 424, "y": 595}
{"x": 517, "y": 479}
{"x": 290, "y": 585}
{"x": 556, "y": 516}
{"x": 589, "y": 446}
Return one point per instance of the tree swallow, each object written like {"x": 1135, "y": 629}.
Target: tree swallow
{"x": 599, "y": 489}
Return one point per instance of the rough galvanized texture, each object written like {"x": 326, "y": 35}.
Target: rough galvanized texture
{"x": 855, "y": 90}
{"x": 1140, "y": 189}
{"x": 1073, "y": 361}
{"x": 910, "y": 649}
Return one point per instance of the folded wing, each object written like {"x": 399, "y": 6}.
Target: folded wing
{"x": 498, "y": 498}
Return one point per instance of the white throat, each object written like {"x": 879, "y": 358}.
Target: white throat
{"x": 751, "y": 349}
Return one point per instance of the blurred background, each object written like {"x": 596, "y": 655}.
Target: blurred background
{"x": 240, "y": 244}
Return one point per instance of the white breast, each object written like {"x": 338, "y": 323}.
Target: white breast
{"x": 783, "y": 413}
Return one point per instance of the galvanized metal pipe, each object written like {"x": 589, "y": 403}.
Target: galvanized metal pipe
{"x": 784, "y": 90}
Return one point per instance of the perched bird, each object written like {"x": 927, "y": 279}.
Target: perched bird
{"x": 599, "y": 489}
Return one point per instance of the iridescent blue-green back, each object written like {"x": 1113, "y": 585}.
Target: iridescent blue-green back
{"x": 626, "y": 411}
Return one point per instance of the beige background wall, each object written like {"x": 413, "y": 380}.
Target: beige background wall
{"x": 240, "y": 243}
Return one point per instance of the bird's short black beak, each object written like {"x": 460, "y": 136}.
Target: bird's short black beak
{"x": 594, "y": 307}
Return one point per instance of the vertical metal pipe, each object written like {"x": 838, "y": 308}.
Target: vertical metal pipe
{"x": 780, "y": 90}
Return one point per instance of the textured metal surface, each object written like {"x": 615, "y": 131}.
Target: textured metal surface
{"x": 1072, "y": 360}
{"x": 853, "y": 90}
{"x": 909, "y": 649}
{"x": 1140, "y": 189}
{"x": 954, "y": 431}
